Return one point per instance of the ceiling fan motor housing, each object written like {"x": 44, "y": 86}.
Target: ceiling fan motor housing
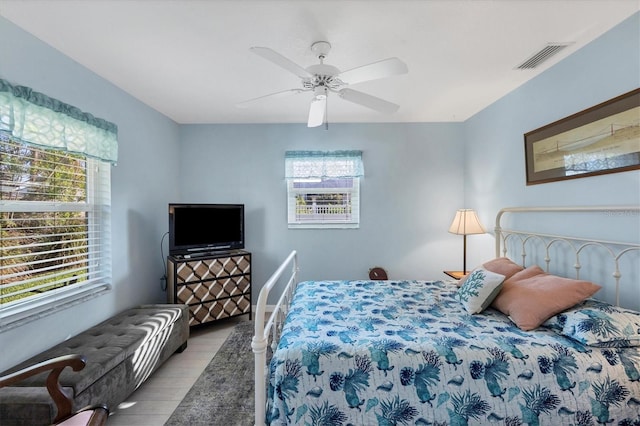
{"x": 323, "y": 75}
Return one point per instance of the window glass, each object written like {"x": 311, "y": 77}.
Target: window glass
{"x": 323, "y": 189}
{"x": 54, "y": 228}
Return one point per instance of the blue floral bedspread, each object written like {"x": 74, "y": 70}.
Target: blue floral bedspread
{"x": 407, "y": 353}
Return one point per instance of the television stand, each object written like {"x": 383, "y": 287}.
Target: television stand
{"x": 214, "y": 285}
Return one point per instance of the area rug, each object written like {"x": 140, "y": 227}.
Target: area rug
{"x": 223, "y": 394}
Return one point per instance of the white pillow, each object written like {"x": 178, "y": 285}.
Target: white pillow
{"x": 478, "y": 289}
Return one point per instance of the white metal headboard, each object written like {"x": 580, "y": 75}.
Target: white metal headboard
{"x": 576, "y": 246}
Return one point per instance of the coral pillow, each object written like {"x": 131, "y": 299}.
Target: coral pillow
{"x": 529, "y": 272}
{"x": 503, "y": 266}
{"x": 532, "y": 296}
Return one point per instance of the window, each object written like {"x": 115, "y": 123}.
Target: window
{"x": 54, "y": 211}
{"x": 323, "y": 188}
{"x": 55, "y": 197}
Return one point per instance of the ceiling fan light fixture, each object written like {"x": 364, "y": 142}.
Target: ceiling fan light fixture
{"x": 317, "y": 111}
{"x": 320, "y": 93}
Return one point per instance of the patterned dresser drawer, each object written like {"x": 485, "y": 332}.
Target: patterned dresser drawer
{"x": 211, "y": 311}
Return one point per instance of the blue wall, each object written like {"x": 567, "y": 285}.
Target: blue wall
{"x": 495, "y": 163}
{"x": 416, "y": 176}
{"x": 411, "y": 189}
{"x": 144, "y": 179}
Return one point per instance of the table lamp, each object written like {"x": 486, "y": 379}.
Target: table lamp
{"x": 466, "y": 223}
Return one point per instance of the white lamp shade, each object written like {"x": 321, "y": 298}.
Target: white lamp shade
{"x": 466, "y": 222}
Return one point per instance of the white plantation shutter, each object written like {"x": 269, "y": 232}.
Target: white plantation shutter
{"x": 323, "y": 188}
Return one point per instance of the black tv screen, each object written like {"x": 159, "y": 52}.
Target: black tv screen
{"x": 205, "y": 227}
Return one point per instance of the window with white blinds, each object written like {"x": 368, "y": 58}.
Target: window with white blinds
{"x": 54, "y": 228}
{"x": 323, "y": 188}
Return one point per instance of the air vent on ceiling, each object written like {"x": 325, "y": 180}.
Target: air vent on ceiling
{"x": 544, "y": 54}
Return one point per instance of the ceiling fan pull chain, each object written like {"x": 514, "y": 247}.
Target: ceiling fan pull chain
{"x": 326, "y": 115}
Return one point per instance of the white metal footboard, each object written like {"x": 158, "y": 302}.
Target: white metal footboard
{"x": 269, "y": 329}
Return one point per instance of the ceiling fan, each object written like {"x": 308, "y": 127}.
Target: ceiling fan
{"x": 320, "y": 79}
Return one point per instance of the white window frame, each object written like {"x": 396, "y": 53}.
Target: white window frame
{"x": 318, "y": 216}
{"x": 98, "y": 208}
{"x": 334, "y": 175}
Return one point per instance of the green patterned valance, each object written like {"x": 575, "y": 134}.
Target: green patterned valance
{"x": 34, "y": 118}
{"x": 323, "y": 164}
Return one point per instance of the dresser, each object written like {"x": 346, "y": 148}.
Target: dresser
{"x": 214, "y": 285}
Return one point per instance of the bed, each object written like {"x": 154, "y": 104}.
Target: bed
{"x": 416, "y": 352}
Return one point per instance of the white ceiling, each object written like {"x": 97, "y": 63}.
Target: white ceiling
{"x": 190, "y": 59}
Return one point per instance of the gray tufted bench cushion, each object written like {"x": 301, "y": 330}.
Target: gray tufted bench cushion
{"x": 121, "y": 353}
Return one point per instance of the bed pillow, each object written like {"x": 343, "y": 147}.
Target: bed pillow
{"x": 599, "y": 324}
{"x": 478, "y": 289}
{"x": 532, "y": 296}
{"x": 524, "y": 274}
{"x": 503, "y": 266}
{"x": 500, "y": 265}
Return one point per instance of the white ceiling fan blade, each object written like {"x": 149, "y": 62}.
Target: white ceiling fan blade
{"x": 316, "y": 112}
{"x": 282, "y": 94}
{"x": 368, "y": 101}
{"x": 381, "y": 69}
{"x": 281, "y": 61}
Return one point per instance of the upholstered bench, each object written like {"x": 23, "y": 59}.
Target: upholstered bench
{"x": 121, "y": 353}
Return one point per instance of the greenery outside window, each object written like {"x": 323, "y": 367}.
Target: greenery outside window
{"x": 55, "y": 197}
{"x": 323, "y": 188}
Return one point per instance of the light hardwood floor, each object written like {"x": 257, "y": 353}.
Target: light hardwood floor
{"x": 153, "y": 402}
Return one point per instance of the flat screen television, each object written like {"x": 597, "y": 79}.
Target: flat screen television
{"x": 201, "y": 228}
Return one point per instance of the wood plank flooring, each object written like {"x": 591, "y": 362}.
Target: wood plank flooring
{"x": 153, "y": 402}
